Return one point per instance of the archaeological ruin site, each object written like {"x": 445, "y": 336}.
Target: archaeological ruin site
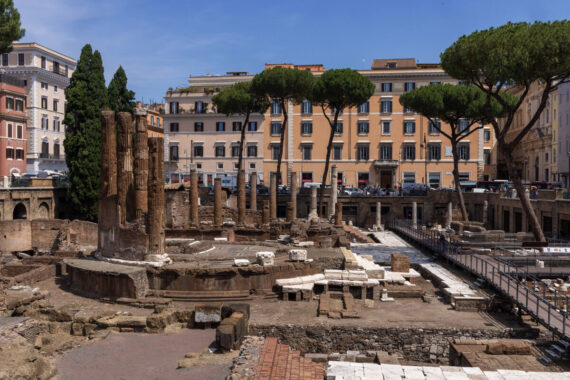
{"x": 184, "y": 280}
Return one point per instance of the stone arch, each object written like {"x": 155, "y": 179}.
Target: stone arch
{"x": 43, "y": 211}
{"x": 20, "y": 212}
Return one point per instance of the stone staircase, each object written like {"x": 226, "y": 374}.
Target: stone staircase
{"x": 557, "y": 351}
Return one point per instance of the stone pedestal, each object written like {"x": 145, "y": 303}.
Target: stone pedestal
{"x": 241, "y": 196}
{"x": 253, "y": 191}
{"x": 334, "y": 186}
{"x": 194, "y": 198}
{"x": 414, "y": 215}
{"x": 293, "y": 186}
{"x": 273, "y": 196}
{"x": 218, "y": 217}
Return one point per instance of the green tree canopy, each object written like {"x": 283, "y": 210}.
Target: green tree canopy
{"x": 335, "y": 90}
{"x": 453, "y": 104}
{"x": 240, "y": 100}
{"x": 513, "y": 56}
{"x": 121, "y": 99}
{"x": 86, "y": 96}
{"x": 282, "y": 85}
{"x": 10, "y": 28}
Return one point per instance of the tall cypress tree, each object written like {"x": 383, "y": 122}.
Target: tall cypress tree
{"x": 86, "y": 96}
{"x": 121, "y": 99}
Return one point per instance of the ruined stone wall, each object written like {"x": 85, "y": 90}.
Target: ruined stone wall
{"x": 422, "y": 345}
{"x": 177, "y": 208}
{"x": 15, "y": 235}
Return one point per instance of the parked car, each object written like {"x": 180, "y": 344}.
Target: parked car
{"x": 417, "y": 189}
{"x": 262, "y": 189}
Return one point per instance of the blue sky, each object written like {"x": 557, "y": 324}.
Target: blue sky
{"x": 161, "y": 43}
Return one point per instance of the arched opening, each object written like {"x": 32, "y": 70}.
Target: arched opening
{"x": 43, "y": 211}
{"x": 20, "y": 212}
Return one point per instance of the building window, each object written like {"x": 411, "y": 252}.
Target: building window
{"x": 464, "y": 176}
{"x": 45, "y": 122}
{"x": 236, "y": 126}
{"x": 44, "y": 102}
{"x": 220, "y": 151}
{"x": 235, "y": 150}
{"x": 9, "y": 153}
{"x": 385, "y": 152}
{"x": 386, "y": 106}
{"x": 252, "y": 165}
{"x": 45, "y": 150}
{"x": 174, "y": 153}
{"x": 409, "y": 86}
{"x": 364, "y": 107}
{"x": 434, "y": 151}
{"x": 236, "y": 166}
{"x": 56, "y": 151}
{"x": 487, "y": 156}
{"x": 198, "y": 151}
{"x": 386, "y": 124}
{"x": 409, "y": 127}
{"x": 307, "y": 150}
{"x": 333, "y": 111}
{"x": 306, "y": 177}
{"x": 307, "y": 128}
{"x": 199, "y": 107}
{"x": 19, "y": 154}
{"x": 275, "y": 152}
{"x": 463, "y": 126}
{"x": 252, "y": 126}
{"x": 306, "y": 107}
{"x": 173, "y": 107}
{"x": 363, "y": 127}
{"x": 54, "y": 88}
{"x": 387, "y": 87}
{"x": 198, "y": 126}
{"x": 435, "y": 82}
{"x": 220, "y": 165}
{"x": 363, "y": 152}
{"x": 409, "y": 177}
{"x": 55, "y": 103}
{"x": 220, "y": 126}
{"x": 434, "y": 127}
{"x": 44, "y": 85}
{"x": 9, "y": 103}
{"x": 275, "y": 108}
{"x": 9, "y": 131}
{"x": 152, "y": 121}
{"x": 158, "y": 122}
{"x": 21, "y": 59}
{"x": 174, "y": 127}
{"x": 56, "y": 124}
{"x": 4, "y": 59}
{"x": 337, "y": 152}
{"x": 20, "y": 132}
{"x": 338, "y": 127}
{"x": 275, "y": 128}
{"x": 409, "y": 151}
{"x": 252, "y": 150}
{"x": 434, "y": 180}
{"x": 463, "y": 151}
{"x": 19, "y": 105}
{"x": 487, "y": 134}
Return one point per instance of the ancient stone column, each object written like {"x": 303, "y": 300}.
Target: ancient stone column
{"x": 218, "y": 217}
{"x": 141, "y": 164}
{"x": 379, "y": 215}
{"x": 293, "y": 182}
{"x": 273, "y": 196}
{"x": 414, "y": 215}
{"x": 289, "y": 211}
{"x": 266, "y": 213}
{"x": 338, "y": 215}
{"x": 449, "y": 214}
{"x": 241, "y": 196}
{"x": 253, "y": 191}
{"x": 124, "y": 163}
{"x": 334, "y": 185}
{"x": 313, "y": 210}
{"x": 194, "y": 197}
{"x": 485, "y": 213}
{"x": 155, "y": 216}
{"x": 108, "y": 155}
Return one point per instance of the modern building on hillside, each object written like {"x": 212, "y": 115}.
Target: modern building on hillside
{"x": 537, "y": 154}
{"x": 13, "y": 122}
{"x": 378, "y": 143}
{"x": 154, "y": 118}
{"x": 196, "y": 134}
{"x": 46, "y": 74}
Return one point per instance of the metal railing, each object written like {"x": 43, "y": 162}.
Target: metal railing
{"x": 503, "y": 275}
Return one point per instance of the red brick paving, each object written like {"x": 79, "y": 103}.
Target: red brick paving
{"x": 279, "y": 362}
